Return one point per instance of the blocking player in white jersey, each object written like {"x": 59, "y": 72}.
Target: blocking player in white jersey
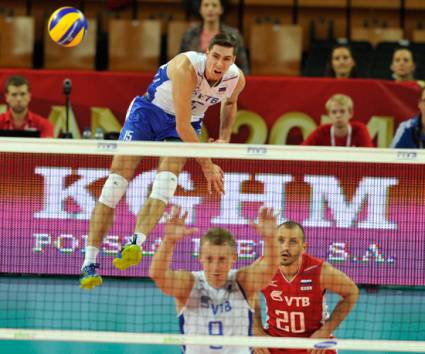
{"x": 216, "y": 300}
{"x": 172, "y": 109}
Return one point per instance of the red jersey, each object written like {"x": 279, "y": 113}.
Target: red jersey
{"x": 296, "y": 308}
{"x": 322, "y": 136}
{"x": 33, "y": 121}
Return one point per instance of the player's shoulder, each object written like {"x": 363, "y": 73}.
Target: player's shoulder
{"x": 311, "y": 263}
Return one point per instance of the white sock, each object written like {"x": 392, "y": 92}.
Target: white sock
{"x": 140, "y": 238}
{"x": 91, "y": 255}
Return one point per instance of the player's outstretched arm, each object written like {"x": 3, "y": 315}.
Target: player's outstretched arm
{"x": 174, "y": 283}
{"x": 228, "y": 111}
{"x": 183, "y": 81}
{"x": 256, "y": 276}
{"x": 338, "y": 282}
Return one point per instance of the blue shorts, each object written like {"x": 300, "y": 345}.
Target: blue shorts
{"x": 145, "y": 121}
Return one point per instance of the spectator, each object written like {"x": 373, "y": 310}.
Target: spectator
{"x": 18, "y": 116}
{"x": 340, "y": 132}
{"x": 341, "y": 64}
{"x": 199, "y": 35}
{"x": 411, "y": 133}
{"x": 403, "y": 65}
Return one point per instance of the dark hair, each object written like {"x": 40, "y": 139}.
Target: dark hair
{"x": 400, "y": 47}
{"x": 330, "y": 72}
{"x": 218, "y": 237}
{"x": 16, "y": 81}
{"x": 223, "y": 3}
{"x": 290, "y": 225}
{"x": 224, "y": 39}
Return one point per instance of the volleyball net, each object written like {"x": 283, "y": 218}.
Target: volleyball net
{"x": 363, "y": 211}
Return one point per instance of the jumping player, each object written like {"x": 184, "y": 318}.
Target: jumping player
{"x": 172, "y": 109}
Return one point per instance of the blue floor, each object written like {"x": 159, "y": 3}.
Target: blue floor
{"x": 135, "y": 305}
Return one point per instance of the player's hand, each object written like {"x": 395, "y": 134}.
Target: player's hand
{"x": 215, "y": 178}
{"x": 218, "y": 141}
{"x": 267, "y": 223}
{"x": 261, "y": 351}
{"x": 175, "y": 227}
{"x": 321, "y": 333}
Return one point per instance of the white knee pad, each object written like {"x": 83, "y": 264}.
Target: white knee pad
{"x": 164, "y": 186}
{"x": 113, "y": 190}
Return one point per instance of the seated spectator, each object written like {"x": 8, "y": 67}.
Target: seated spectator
{"x": 18, "y": 116}
{"x": 411, "y": 133}
{"x": 340, "y": 132}
{"x": 341, "y": 64}
{"x": 403, "y": 65}
{"x": 199, "y": 35}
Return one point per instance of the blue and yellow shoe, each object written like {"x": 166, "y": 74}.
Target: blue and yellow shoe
{"x": 129, "y": 256}
{"x": 89, "y": 279}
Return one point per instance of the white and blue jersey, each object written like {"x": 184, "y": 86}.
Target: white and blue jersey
{"x": 152, "y": 116}
{"x": 216, "y": 312}
{"x": 409, "y": 135}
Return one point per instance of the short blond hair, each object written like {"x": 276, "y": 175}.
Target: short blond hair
{"x": 341, "y": 99}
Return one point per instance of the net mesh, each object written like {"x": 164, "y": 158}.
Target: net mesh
{"x": 366, "y": 219}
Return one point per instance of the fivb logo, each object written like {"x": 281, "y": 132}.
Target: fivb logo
{"x": 326, "y": 198}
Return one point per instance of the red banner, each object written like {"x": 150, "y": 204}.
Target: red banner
{"x": 273, "y": 110}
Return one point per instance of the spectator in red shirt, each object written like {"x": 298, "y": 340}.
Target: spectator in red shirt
{"x": 18, "y": 116}
{"x": 341, "y": 131}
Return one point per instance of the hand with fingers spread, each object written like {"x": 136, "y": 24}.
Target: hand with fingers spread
{"x": 215, "y": 178}
{"x": 175, "y": 228}
{"x": 267, "y": 223}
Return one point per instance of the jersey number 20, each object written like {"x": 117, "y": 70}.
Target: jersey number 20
{"x": 292, "y": 322}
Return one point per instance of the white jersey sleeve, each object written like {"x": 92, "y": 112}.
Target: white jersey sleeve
{"x": 211, "y": 311}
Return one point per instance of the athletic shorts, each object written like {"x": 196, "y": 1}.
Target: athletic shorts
{"x": 146, "y": 122}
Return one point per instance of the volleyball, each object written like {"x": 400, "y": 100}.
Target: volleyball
{"x": 67, "y": 26}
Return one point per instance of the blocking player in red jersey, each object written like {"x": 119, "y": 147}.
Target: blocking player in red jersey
{"x": 295, "y": 298}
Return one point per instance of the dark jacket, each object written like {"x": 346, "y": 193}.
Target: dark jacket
{"x": 192, "y": 41}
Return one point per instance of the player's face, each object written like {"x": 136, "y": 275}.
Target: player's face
{"x": 342, "y": 62}
{"x": 403, "y": 65}
{"x": 18, "y": 98}
{"x": 211, "y": 10}
{"x": 291, "y": 245}
{"x": 219, "y": 60}
{"x": 339, "y": 115}
{"x": 217, "y": 261}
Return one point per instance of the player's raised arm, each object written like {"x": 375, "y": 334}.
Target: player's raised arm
{"x": 337, "y": 282}
{"x": 256, "y": 276}
{"x": 174, "y": 283}
{"x": 228, "y": 111}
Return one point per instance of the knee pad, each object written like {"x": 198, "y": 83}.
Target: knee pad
{"x": 164, "y": 186}
{"x": 113, "y": 190}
